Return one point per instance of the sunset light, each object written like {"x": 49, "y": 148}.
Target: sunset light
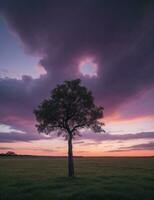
{"x": 76, "y": 100}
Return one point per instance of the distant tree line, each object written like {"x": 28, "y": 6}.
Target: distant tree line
{"x": 9, "y": 153}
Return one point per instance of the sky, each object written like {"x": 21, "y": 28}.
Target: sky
{"x": 109, "y": 45}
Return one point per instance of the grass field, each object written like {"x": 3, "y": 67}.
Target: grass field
{"x": 97, "y": 178}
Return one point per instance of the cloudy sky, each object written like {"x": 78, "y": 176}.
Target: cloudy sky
{"x": 108, "y": 44}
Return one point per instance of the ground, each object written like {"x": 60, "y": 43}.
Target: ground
{"x": 32, "y": 178}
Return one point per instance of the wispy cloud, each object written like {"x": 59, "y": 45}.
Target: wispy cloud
{"x": 131, "y": 136}
{"x": 143, "y": 146}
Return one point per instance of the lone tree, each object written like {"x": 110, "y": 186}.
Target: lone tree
{"x": 69, "y": 108}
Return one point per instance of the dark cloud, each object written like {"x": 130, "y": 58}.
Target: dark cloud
{"x": 118, "y": 35}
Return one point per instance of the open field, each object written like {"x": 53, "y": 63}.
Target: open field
{"x": 97, "y": 178}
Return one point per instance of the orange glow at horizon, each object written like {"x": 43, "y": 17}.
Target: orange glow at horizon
{"x": 130, "y": 153}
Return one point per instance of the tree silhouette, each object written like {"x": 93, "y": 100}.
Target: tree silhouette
{"x": 69, "y": 108}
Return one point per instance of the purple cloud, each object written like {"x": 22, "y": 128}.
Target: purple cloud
{"x": 22, "y": 137}
{"x": 98, "y": 138}
{"x": 64, "y": 33}
{"x": 144, "y": 146}
{"x": 124, "y": 137}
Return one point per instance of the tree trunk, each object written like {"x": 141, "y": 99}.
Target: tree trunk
{"x": 70, "y": 157}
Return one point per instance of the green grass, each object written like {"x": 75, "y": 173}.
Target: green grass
{"x": 96, "y": 178}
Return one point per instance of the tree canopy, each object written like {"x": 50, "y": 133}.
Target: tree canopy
{"x": 69, "y": 108}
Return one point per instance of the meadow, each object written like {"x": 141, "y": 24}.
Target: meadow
{"x": 40, "y": 178}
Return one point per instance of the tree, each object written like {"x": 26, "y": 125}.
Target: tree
{"x": 70, "y": 108}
